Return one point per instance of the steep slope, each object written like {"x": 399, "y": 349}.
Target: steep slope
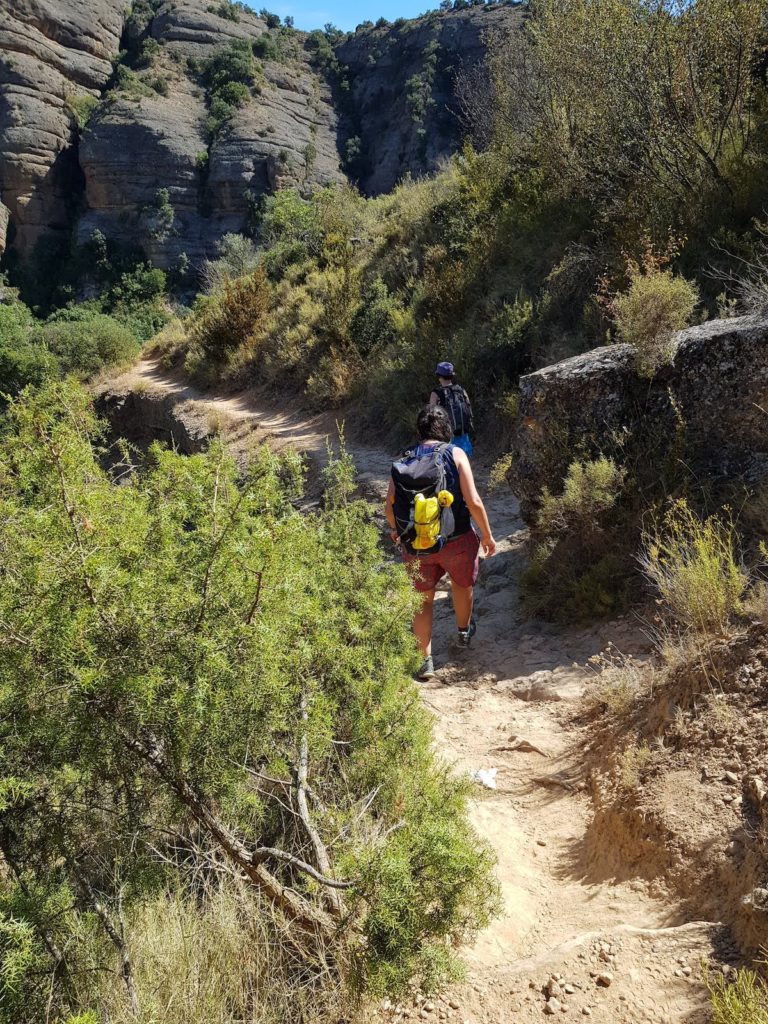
{"x": 52, "y": 51}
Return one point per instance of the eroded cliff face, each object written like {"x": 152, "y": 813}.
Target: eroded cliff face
{"x": 51, "y": 52}
{"x": 134, "y": 145}
{"x": 389, "y": 110}
{"x": 403, "y": 103}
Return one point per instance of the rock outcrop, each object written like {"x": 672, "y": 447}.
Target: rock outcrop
{"x": 402, "y": 103}
{"x": 706, "y": 413}
{"x": 54, "y": 52}
{"x": 391, "y": 102}
{"x": 285, "y": 135}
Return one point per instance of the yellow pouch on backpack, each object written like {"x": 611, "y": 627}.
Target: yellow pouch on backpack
{"x": 426, "y": 519}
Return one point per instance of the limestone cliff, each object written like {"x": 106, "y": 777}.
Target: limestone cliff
{"x": 385, "y": 108}
{"x": 136, "y": 144}
{"x": 51, "y": 53}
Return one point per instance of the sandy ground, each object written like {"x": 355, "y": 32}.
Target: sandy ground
{"x": 570, "y": 941}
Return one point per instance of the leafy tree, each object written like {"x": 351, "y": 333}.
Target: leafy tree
{"x": 237, "y": 257}
{"x": 192, "y": 672}
{"x": 272, "y": 20}
{"x": 638, "y": 104}
{"x": 228, "y": 76}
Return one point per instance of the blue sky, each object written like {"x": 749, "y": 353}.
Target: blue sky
{"x": 346, "y": 14}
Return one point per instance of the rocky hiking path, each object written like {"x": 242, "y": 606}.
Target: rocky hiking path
{"x": 571, "y": 941}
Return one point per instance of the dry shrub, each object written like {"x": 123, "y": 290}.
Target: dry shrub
{"x": 229, "y": 319}
{"x": 620, "y": 682}
{"x": 743, "y": 1001}
{"x": 497, "y": 478}
{"x": 171, "y": 342}
{"x": 693, "y": 565}
{"x": 219, "y": 422}
{"x": 632, "y": 763}
{"x": 656, "y": 305}
{"x": 218, "y": 958}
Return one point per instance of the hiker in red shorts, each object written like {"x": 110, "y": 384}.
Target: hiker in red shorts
{"x": 431, "y": 503}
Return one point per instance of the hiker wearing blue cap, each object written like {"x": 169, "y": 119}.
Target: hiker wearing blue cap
{"x": 455, "y": 400}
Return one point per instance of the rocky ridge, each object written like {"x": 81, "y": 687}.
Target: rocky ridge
{"x": 385, "y": 108}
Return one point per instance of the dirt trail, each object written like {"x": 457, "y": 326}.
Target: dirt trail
{"x": 621, "y": 954}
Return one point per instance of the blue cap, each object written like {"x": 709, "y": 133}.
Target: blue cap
{"x": 444, "y": 370}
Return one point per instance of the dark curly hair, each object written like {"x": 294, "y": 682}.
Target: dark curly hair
{"x": 432, "y": 424}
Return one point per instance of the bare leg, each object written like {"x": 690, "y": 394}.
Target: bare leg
{"x": 422, "y": 623}
{"x": 462, "y": 605}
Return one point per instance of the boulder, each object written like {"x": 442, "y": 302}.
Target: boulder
{"x": 705, "y": 414}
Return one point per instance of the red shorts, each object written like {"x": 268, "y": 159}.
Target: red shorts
{"x": 460, "y": 558}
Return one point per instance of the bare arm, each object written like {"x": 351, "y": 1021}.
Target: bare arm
{"x": 474, "y": 501}
{"x": 433, "y": 399}
{"x": 389, "y": 511}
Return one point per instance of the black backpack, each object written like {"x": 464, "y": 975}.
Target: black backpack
{"x": 420, "y": 474}
{"x": 455, "y": 400}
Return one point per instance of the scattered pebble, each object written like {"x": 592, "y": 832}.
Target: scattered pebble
{"x": 552, "y": 1006}
{"x": 605, "y": 979}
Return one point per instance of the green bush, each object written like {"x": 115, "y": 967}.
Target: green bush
{"x": 81, "y": 109}
{"x": 267, "y": 47}
{"x": 138, "y": 769}
{"x": 589, "y": 490}
{"x": 581, "y": 563}
{"x": 225, "y": 10}
{"x": 130, "y": 84}
{"x": 374, "y": 325}
{"x": 234, "y": 63}
{"x": 85, "y": 342}
{"x": 743, "y": 1001}
{"x": 657, "y": 304}
{"x": 23, "y": 360}
{"x": 149, "y": 50}
{"x": 227, "y": 320}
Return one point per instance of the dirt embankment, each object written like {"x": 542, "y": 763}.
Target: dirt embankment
{"x": 616, "y": 888}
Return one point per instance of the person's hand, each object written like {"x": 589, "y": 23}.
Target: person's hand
{"x": 395, "y": 538}
{"x": 488, "y": 545}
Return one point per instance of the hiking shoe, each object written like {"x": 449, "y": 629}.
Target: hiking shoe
{"x": 427, "y": 669}
{"x": 465, "y": 635}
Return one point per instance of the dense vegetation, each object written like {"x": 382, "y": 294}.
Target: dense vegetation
{"x": 207, "y": 715}
{"x": 211, "y": 753}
